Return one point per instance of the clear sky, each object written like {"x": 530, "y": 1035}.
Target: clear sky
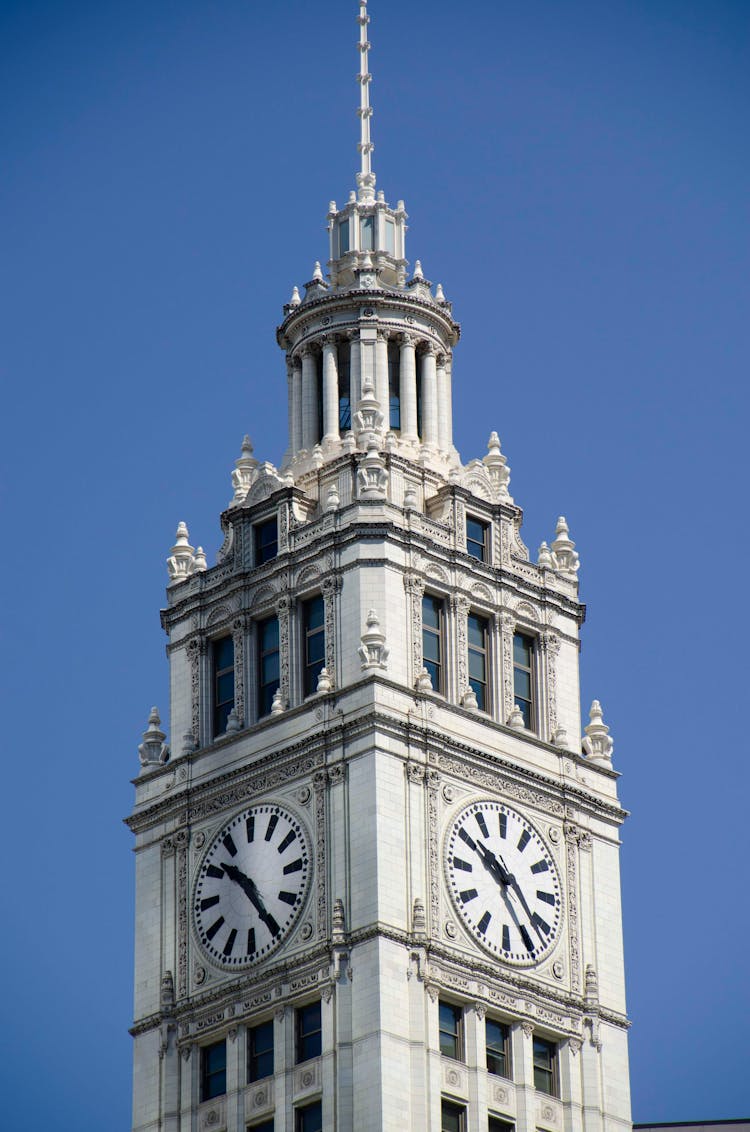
{"x": 576, "y": 175}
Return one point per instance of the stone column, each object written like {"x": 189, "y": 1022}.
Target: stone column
{"x": 295, "y": 425}
{"x": 309, "y": 399}
{"x": 408, "y": 365}
{"x": 381, "y": 376}
{"x": 355, "y": 371}
{"x": 429, "y": 398}
{"x": 330, "y": 390}
{"x": 442, "y": 404}
{"x": 449, "y": 401}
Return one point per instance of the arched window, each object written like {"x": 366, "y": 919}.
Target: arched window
{"x": 394, "y": 386}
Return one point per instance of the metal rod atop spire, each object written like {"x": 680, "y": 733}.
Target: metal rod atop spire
{"x": 365, "y": 177}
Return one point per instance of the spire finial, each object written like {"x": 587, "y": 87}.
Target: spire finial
{"x": 365, "y": 177}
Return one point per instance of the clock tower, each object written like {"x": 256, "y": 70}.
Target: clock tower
{"x": 377, "y": 864}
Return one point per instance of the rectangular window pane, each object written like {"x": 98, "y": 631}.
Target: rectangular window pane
{"x": 523, "y": 676}
{"x": 222, "y": 661}
{"x": 522, "y": 649}
{"x": 431, "y": 608}
{"x": 309, "y": 1118}
{"x": 477, "y": 630}
{"x": 544, "y": 1066}
{"x": 343, "y": 357}
{"x": 451, "y": 1117}
{"x": 477, "y": 666}
{"x": 367, "y": 229}
{"x": 394, "y": 386}
{"x": 309, "y": 1035}
{"x": 497, "y": 1043}
{"x": 313, "y": 613}
{"x": 476, "y": 538}
{"x": 498, "y": 1125}
{"x": 450, "y": 1030}
{"x": 260, "y": 1051}
{"x": 432, "y": 644}
{"x": 390, "y": 236}
{"x": 522, "y": 684}
{"x": 344, "y": 236}
{"x": 213, "y": 1070}
{"x": 266, "y": 541}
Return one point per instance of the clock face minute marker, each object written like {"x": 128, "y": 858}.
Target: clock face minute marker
{"x": 484, "y": 923}
{"x": 212, "y": 871}
{"x": 273, "y": 821}
{"x": 251, "y": 941}
{"x": 540, "y": 867}
{"x": 468, "y": 894}
{"x": 215, "y": 927}
{"x": 482, "y": 824}
{"x": 458, "y": 863}
{"x": 540, "y": 923}
{"x": 291, "y": 835}
{"x": 503, "y": 823}
{"x": 229, "y": 845}
{"x": 230, "y": 942}
{"x": 523, "y": 840}
{"x": 209, "y": 902}
{"x": 465, "y": 837}
{"x": 506, "y": 938}
{"x": 526, "y": 938}
{"x": 287, "y": 897}
{"x": 547, "y": 897}
{"x": 250, "y": 828}
{"x": 293, "y": 867}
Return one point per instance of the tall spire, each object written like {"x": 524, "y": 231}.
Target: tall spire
{"x": 365, "y": 177}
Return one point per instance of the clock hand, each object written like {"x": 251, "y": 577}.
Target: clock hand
{"x": 250, "y": 889}
{"x": 498, "y": 869}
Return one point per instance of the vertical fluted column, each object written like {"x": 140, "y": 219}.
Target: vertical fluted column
{"x": 442, "y": 403}
{"x": 309, "y": 399}
{"x": 355, "y": 371}
{"x": 381, "y": 376}
{"x": 449, "y": 401}
{"x": 295, "y": 409}
{"x": 408, "y": 376}
{"x": 429, "y": 398}
{"x": 330, "y": 389}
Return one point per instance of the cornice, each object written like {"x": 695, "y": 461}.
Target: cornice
{"x": 359, "y": 297}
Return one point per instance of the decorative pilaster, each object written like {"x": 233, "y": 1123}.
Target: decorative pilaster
{"x": 443, "y": 419}
{"x": 550, "y": 647}
{"x": 238, "y": 640}
{"x": 460, "y": 609}
{"x": 283, "y": 612}
{"x": 507, "y": 629}
{"x": 331, "y": 588}
{"x": 296, "y": 421}
{"x": 414, "y": 586}
{"x": 194, "y": 650}
{"x": 321, "y": 834}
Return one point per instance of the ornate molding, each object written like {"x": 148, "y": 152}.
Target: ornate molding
{"x": 319, "y": 786}
{"x": 433, "y": 814}
{"x": 238, "y": 640}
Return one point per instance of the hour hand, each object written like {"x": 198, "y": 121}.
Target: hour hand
{"x": 491, "y": 862}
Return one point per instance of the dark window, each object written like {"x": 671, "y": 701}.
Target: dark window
{"x": 309, "y": 1118}
{"x": 478, "y": 659}
{"x": 314, "y": 636}
{"x": 523, "y": 676}
{"x": 495, "y": 1124}
{"x": 452, "y": 1117}
{"x": 477, "y": 539}
{"x": 545, "y": 1067}
{"x": 213, "y": 1070}
{"x": 418, "y": 361}
{"x": 266, "y": 541}
{"x": 432, "y": 639}
{"x": 266, "y": 1126}
{"x": 260, "y": 1051}
{"x": 308, "y": 1032}
{"x": 367, "y": 229}
{"x": 268, "y": 663}
{"x": 344, "y": 236}
{"x": 451, "y": 1043}
{"x": 343, "y": 355}
{"x": 394, "y": 386}
{"x": 222, "y": 661}
{"x": 498, "y": 1047}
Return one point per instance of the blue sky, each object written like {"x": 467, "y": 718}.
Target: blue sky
{"x": 576, "y": 175}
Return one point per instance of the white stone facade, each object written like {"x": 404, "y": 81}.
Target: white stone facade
{"x": 369, "y": 511}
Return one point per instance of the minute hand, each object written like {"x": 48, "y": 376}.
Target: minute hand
{"x": 519, "y": 893}
{"x": 250, "y": 889}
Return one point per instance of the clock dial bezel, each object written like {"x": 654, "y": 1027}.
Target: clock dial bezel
{"x": 251, "y": 885}
{"x": 495, "y": 916}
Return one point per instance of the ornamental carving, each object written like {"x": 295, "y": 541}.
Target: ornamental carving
{"x": 415, "y": 772}
{"x": 572, "y": 868}
{"x": 319, "y": 782}
{"x": 507, "y": 629}
{"x": 461, "y": 606}
{"x": 182, "y": 919}
{"x": 414, "y": 586}
{"x": 331, "y": 587}
{"x": 273, "y": 777}
{"x": 238, "y": 640}
{"x": 194, "y": 650}
{"x": 491, "y": 780}
{"x": 433, "y": 782}
{"x": 550, "y": 644}
{"x": 283, "y": 610}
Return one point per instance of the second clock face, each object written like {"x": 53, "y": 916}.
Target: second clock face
{"x": 504, "y": 882}
{"x": 251, "y": 885}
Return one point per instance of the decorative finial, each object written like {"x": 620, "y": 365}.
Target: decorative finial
{"x": 598, "y": 744}
{"x": 515, "y": 719}
{"x": 469, "y": 699}
{"x": 497, "y": 465}
{"x": 199, "y": 563}
{"x": 153, "y": 751}
{"x": 295, "y": 299}
{"x": 418, "y": 270}
{"x": 545, "y": 561}
{"x": 277, "y": 705}
{"x": 245, "y": 472}
{"x": 317, "y": 273}
{"x": 365, "y": 177}
{"x": 181, "y": 556}
{"x": 372, "y": 650}
{"x": 564, "y": 551}
{"x": 439, "y": 295}
{"x": 325, "y": 684}
{"x": 423, "y": 682}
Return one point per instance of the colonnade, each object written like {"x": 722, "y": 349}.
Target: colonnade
{"x": 338, "y": 367}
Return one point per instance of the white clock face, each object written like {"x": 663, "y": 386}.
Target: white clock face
{"x": 251, "y": 885}
{"x": 504, "y": 882}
